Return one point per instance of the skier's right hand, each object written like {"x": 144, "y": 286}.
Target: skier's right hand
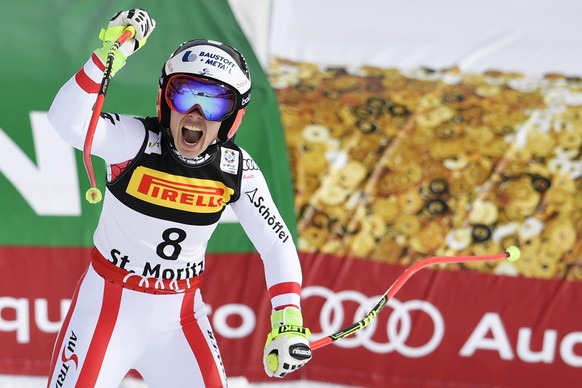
{"x": 139, "y": 19}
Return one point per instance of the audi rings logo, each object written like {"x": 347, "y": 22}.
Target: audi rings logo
{"x": 398, "y": 327}
{"x": 249, "y": 165}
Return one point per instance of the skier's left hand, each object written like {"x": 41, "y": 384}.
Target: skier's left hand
{"x": 287, "y": 348}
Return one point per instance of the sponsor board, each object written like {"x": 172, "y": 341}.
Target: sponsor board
{"x": 442, "y": 325}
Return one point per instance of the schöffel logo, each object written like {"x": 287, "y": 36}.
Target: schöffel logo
{"x": 178, "y": 192}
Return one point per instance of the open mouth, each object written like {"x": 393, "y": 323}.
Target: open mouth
{"x": 191, "y": 135}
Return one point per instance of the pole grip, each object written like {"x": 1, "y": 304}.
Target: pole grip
{"x": 128, "y": 33}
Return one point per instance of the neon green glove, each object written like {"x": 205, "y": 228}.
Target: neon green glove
{"x": 143, "y": 24}
{"x": 287, "y": 348}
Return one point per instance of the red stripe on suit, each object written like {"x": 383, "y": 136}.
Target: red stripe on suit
{"x": 101, "y": 336}
{"x": 197, "y": 341}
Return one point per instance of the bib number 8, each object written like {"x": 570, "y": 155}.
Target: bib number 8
{"x": 169, "y": 248}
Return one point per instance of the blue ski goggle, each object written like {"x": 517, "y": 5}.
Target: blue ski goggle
{"x": 185, "y": 93}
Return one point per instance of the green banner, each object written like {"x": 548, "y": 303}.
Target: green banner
{"x": 42, "y": 180}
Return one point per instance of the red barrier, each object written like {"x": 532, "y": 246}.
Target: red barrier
{"x": 442, "y": 328}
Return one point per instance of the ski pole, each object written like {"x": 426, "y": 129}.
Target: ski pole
{"x": 93, "y": 194}
{"x": 512, "y": 253}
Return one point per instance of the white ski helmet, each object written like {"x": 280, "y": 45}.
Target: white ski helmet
{"x": 215, "y": 62}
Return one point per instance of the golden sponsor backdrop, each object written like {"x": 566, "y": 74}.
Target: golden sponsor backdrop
{"x": 395, "y": 166}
